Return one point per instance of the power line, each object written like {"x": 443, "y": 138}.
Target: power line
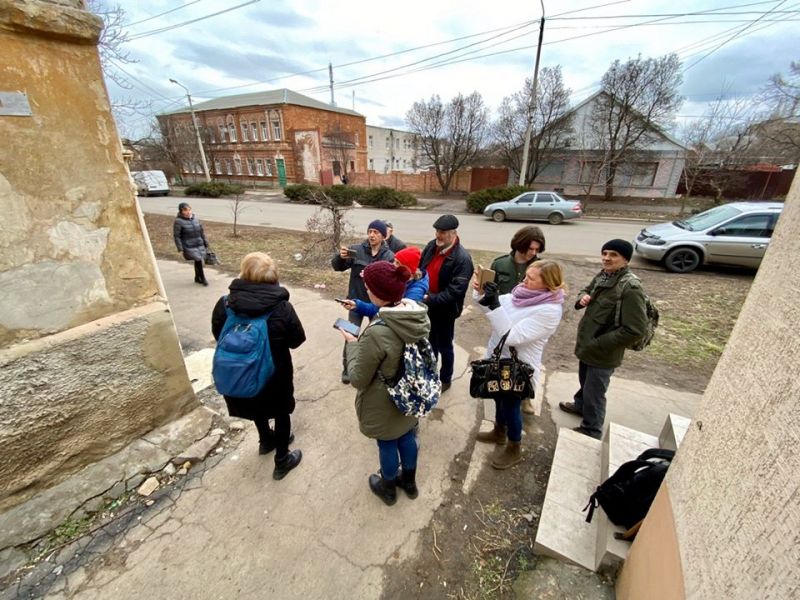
{"x": 166, "y": 12}
{"x": 178, "y": 25}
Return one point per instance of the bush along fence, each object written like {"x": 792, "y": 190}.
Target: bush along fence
{"x": 477, "y": 201}
{"x": 345, "y": 195}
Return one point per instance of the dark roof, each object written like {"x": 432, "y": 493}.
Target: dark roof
{"x": 272, "y": 97}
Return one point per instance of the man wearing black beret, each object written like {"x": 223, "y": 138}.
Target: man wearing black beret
{"x": 449, "y": 268}
{"x": 604, "y": 332}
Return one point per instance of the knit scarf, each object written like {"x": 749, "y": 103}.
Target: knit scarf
{"x": 522, "y": 297}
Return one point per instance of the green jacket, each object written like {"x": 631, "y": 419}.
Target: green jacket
{"x": 508, "y": 273}
{"x": 380, "y": 348}
{"x": 599, "y": 343}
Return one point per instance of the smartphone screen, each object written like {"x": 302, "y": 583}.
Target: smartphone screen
{"x": 347, "y": 326}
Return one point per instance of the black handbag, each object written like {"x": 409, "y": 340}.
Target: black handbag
{"x": 211, "y": 258}
{"x": 501, "y": 378}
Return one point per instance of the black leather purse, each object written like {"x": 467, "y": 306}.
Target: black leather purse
{"x": 501, "y": 378}
{"x": 211, "y": 258}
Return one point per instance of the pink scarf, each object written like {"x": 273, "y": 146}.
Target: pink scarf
{"x": 522, "y": 297}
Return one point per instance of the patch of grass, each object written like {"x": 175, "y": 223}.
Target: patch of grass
{"x": 68, "y": 531}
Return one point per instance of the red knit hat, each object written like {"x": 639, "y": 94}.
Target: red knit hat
{"x": 409, "y": 257}
{"x": 386, "y": 281}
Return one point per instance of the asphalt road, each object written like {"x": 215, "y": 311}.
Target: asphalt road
{"x": 582, "y": 237}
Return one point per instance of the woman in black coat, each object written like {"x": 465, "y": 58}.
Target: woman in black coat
{"x": 257, "y": 292}
{"x": 190, "y": 239}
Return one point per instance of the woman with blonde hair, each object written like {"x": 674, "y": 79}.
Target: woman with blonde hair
{"x": 254, "y": 293}
{"x": 530, "y": 314}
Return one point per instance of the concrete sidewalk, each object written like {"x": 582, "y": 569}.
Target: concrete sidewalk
{"x": 319, "y": 533}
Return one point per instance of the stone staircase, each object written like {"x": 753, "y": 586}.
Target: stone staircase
{"x": 580, "y": 464}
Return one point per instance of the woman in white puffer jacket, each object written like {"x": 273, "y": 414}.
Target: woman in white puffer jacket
{"x": 530, "y": 314}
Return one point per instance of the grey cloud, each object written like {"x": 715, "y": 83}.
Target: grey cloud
{"x": 245, "y": 65}
{"x": 281, "y": 18}
{"x": 392, "y": 121}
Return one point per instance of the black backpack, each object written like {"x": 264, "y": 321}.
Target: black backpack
{"x": 626, "y": 496}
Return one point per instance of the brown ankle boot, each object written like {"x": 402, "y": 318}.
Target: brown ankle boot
{"x": 511, "y": 455}
{"x": 495, "y": 436}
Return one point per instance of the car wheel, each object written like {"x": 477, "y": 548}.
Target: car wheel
{"x": 682, "y": 260}
{"x": 555, "y": 218}
{"x": 498, "y": 216}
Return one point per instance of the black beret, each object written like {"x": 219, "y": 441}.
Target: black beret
{"x": 446, "y": 223}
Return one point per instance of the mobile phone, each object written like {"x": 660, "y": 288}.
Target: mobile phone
{"x": 351, "y": 253}
{"x": 347, "y": 326}
{"x": 484, "y": 275}
{"x": 341, "y": 301}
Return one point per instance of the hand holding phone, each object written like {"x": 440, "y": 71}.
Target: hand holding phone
{"x": 347, "y": 327}
{"x": 346, "y": 302}
{"x": 484, "y": 276}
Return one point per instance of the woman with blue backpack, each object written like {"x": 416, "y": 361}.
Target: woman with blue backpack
{"x": 373, "y": 359}
{"x": 256, "y": 326}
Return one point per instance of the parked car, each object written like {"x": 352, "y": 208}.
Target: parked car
{"x": 535, "y": 206}
{"x": 150, "y": 183}
{"x": 731, "y": 234}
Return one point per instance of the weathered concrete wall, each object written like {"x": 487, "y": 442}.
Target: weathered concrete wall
{"x": 89, "y": 355}
{"x": 735, "y": 483}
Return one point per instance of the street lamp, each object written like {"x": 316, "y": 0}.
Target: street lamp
{"x": 196, "y": 130}
{"x": 523, "y": 171}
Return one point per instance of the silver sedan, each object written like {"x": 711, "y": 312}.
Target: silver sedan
{"x": 535, "y": 206}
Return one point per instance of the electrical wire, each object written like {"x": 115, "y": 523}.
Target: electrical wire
{"x": 139, "y": 36}
{"x": 166, "y": 12}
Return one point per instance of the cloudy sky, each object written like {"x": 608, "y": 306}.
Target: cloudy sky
{"x": 387, "y": 55}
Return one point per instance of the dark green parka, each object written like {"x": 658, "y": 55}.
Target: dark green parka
{"x": 599, "y": 342}
{"x": 380, "y": 347}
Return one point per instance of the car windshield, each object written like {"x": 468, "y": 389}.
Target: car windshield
{"x": 709, "y": 218}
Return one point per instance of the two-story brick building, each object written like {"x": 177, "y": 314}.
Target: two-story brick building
{"x": 267, "y": 138}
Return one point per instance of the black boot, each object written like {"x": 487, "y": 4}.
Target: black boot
{"x": 384, "y": 489}
{"x": 408, "y": 483}
{"x": 286, "y": 464}
{"x": 268, "y": 445}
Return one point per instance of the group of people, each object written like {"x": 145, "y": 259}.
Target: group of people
{"x": 408, "y": 294}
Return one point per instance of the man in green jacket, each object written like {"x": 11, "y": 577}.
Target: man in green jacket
{"x": 602, "y": 336}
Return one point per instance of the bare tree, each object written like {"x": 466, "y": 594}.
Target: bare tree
{"x": 341, "y": 146}
{"x": 551, "y": 123}
{"x": 779, "y": 133}
{"x": 638, "y": 98}
{"x": 329, "y": 226}
{"x": 237, "y": 207}
{"x": 450, "y": 135}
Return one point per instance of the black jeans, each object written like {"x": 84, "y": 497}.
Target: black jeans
{"x": 441, "y": 338}
{"x": 590, "y": 399}
{"x": 283, "y": 429}
{"x": 199, "y": 276}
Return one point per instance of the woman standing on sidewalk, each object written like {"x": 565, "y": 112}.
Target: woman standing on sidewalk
{"x": 530, "y": 314}
{"x": 190, "y": 239}
{"x": 376, "y": 357}
{"x": 256, "y": 292}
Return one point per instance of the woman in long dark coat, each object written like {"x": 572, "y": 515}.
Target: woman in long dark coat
{"x": 190, "y": 239}
{"x": 256, "y": 292}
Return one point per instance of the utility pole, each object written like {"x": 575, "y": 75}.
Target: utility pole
{"x": 196, "y": 131}
{"x": 526, "y": 148}
{"x": 330, "y": 75}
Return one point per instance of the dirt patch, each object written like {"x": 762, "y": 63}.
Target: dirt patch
{"x": 477, "y": 545}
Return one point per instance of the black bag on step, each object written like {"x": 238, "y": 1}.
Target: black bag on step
{"x": 626, "y": 496}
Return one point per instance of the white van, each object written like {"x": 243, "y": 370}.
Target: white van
{"x": 150, "y": 183}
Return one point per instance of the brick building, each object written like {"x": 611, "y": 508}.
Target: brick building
{"x": 267, "y": 138}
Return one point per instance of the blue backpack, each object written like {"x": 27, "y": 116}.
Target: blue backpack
{"x": 242, "y": 363}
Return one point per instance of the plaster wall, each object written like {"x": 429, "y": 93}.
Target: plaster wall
{"x": 89, "y": 355}
{"x": 734, "y": 485}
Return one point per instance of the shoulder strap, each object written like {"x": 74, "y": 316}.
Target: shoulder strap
{"x": 626, "y": 279}
{"x": 499, "y": 347}
{"x": 661, "y": 453}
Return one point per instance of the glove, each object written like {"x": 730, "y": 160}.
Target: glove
{"x": 491, "y": 296}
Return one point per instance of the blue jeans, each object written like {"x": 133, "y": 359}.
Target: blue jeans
{"x": 508, "y": 412}
{"x": 590, "y": 399}
{"x": 441, "y": 338}
{"x": 393, "y": 453}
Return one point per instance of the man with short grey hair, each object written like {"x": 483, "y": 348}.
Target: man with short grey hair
{"x": 602, "y": 335}
{"x": 395, "y": 244}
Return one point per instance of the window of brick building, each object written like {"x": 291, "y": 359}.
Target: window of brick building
{"x": 370, "y": 141}
{"x": 231, "y": 130}
{"x": 217, "y": 167}
{"x": 268, "y": 166}
{"x": 237, "y": 165}
{"x": 260, "y": 167}
{"x": 254, "y": 131}
{"x": 251, "y": 166}
{"x": 245, "y": 132}
{"x": 352, "y": 167}
{"x": 264, "y": 131}
{"x": 221, "y": 133}
{"x": 276, "y": 129}
{"x": 228, "y": 168}
{"x": 388, "y": 145}
{"x": 211, "y": 137}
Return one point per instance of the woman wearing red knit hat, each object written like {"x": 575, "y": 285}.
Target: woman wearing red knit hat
{"x": 376, "y": 356}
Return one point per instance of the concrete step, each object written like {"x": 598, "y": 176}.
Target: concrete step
{"x": 675, "y": 427}
{"x": 620, "y": 445}
{"x": 563, "y": 531}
